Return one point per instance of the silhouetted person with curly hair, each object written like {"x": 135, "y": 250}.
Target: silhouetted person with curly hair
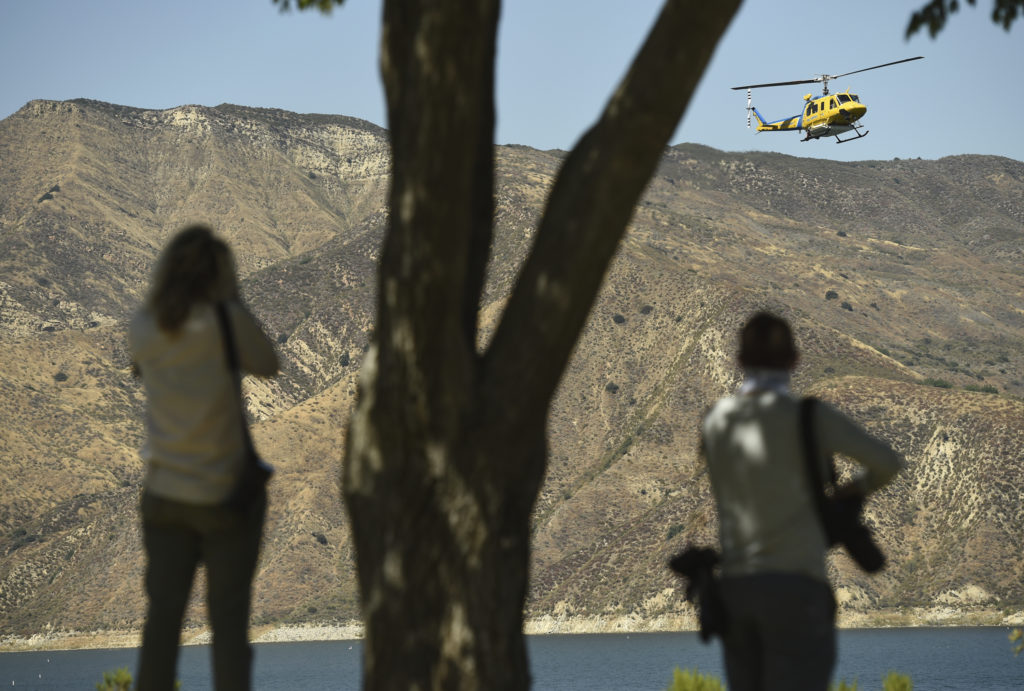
{"x": 194, "y": 454}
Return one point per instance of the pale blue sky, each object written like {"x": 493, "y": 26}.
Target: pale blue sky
{"x": 557, "y": 65}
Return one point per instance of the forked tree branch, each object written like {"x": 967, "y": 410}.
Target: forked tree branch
{"x": 591, "y": 204}
{"x": 437, "y": 63}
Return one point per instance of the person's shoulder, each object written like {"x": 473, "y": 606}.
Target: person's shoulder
{"x": 720, "y": 409}
{"x": 823, "y": 408}
{"x": 141, "y": 323}
{"x": 236, "y": 310}
{"x": 723, "y": 403}
{"x": 828, "y": 417}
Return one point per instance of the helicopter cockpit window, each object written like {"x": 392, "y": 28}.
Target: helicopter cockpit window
{"x": 855, "y": 97}
{"x": 843, "y": 98}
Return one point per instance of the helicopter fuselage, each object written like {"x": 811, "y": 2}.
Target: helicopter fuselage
{"x": 826, "y": 116}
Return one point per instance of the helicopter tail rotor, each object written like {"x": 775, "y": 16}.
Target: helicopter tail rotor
{"x": 749, "y": 108}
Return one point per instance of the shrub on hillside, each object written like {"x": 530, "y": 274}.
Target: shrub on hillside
{"x": 987, "y": 388}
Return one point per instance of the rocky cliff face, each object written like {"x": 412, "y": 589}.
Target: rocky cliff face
{"x": 902, "y": 279}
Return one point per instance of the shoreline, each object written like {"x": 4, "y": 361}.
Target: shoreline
{"x": 916, "y": 617}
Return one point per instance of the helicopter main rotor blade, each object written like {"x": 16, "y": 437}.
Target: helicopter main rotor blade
{"x": 757, "y": 86}
{"x": 837, "y": 76}
{"x": 825, "y": 77}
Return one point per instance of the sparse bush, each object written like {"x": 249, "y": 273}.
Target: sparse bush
{"x": 940, "y": 383}
{"x": 611, "y": 387}
{"x": 847, "y": 306}
{"x": 894, "y": 681}
{"x": 60, "y": 376}
{"x": 674, "y": 530}
{"x": 121, "y": 680}
{"x": 987, "y": 388}
{"x": 646, "y": 309}
{"x": 693, "y": 680}
{"x": 618, "y": 319}
{"x": 118, "y": 680}
{"x": 1017, "y": 640}
{"x": 831, "y": 295}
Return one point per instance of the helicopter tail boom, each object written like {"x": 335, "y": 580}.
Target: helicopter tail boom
{"x": 784, "y": 125}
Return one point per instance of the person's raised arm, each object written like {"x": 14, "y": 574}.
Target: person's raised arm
{"x": 256, "y": 353}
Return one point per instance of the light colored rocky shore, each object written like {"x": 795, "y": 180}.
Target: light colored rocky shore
{"x": 549, "y": 624}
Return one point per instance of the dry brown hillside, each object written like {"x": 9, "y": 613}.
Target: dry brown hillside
{"x": 902, "y": 279}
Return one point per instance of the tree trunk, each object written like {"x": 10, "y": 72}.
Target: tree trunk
{"x": 447, "y": 446}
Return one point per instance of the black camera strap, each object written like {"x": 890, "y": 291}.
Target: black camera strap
{"x": 812, "y": 461}
{"x": 231, "y": 355}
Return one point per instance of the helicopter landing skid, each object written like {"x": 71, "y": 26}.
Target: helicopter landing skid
{"x": 831, "y": 132}
{"x": 850, "y": 139}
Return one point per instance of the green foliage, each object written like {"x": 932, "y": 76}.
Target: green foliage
{"x": 121, "y": 680}
{"x": 894, "y": 681}
{"x": 1017, "y": 640}
{"x": 324, "y": 6}
{"x": 693, "y": 680}
{"x": 987, "y": 388}
{"x": 940, "y": 383}
{"x": 934, "y": 15}
{"x": 118, "y": 680}
{"x": 675, "y": 530}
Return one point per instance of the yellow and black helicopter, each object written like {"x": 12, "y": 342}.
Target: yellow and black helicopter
{"x": 828, "y": 115}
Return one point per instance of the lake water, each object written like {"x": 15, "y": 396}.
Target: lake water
{"x": 967, "y": 659}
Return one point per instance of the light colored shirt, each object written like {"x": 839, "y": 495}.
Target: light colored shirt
{"x": 753, "y": 443}
{"x": 194, "y": 445}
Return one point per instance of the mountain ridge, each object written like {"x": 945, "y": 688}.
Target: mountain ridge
{"x": 901, "y": 279}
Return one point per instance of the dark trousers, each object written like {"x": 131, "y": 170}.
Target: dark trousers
{"x": 781, "y": 633}
{"x": 177, "y": 538}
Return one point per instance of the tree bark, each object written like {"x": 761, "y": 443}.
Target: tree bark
{"x": 447, "y": 446}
